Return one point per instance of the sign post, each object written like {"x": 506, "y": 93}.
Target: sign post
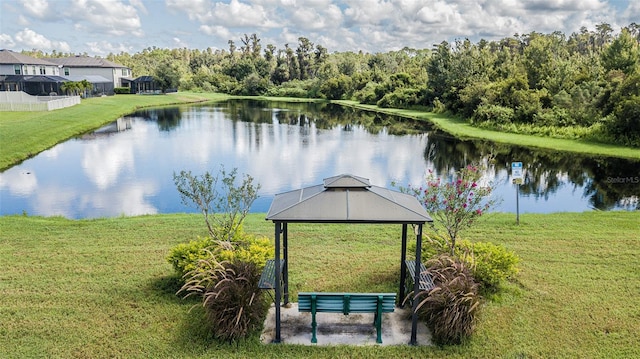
{"x": 517, "y": 177}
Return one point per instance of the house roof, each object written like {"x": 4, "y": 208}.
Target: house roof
{"x": 8, "y": 57}
{"x": 346, "y": 199}
{"x": 85, "y": 61}
{"x": 34, "y": 78}
{"x": 143, "y": 79}
{"x": 95, "y": 79}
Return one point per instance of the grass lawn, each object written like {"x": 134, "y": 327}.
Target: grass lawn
{"x": 101, "y": 287}
{"x": 463, "y": 129}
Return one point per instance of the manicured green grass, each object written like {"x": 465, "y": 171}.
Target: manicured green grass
{"x": 463, "y": 129}
{"x": 101, "y": 288}
{"x": 25, "y": 134}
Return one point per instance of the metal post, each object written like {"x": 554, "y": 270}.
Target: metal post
{"x": 517, "y": 203}
{"x": 403, "y": 268}
{"x": 416, "y": 288}
{"x": 285, "y": 249}
{"x": 276, "y": 268}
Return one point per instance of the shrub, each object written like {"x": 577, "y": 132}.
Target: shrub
{"x": 490, "y": 263}
{"x": 185, "y": 256}
{"x": 287, "y": 92}
{"x": 221, "y": 195}
{"x": 367, "y": 94}
{"x": 450, "y": 308}
{"x": 433, "y": 245}
{"x": 232, "y": 300}
{"x": 122, "y": 90}
{"x": 438, "y": 106}
{"x": 251, "y": 250}
{"x": 493, "y": 114}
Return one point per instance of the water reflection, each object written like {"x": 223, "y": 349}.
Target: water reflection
{"x": 127, "y": 167}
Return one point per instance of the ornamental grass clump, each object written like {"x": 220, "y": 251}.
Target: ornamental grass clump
{"x": 233, "y": 303}
{"x": 450, "y": 308}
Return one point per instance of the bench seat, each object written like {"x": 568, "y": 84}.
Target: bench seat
{"x": 347, "y": 303}
{"x": 426, "y": 282}
{"x": 268, "y": 276}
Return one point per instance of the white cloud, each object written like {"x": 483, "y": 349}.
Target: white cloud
{"x": 179, "y": 43}
{"x": 106, "y": 16}
{"x": 37, "y": 8}
{"x": 234, "y": 14}
{"x": 104, "y": 47}
{"x": 6, "y": 41}
{"x": 139, "y": 4}
{"x": 195, "y": 9}
{"x": 563, "y": 5}
{"x": 338, "y": 25}
{"x": 31, "y": 39}
{"x": 371, "y": 12}
{"x": 220, "y": 32}
{"x": 20, "y": 183}
{"x": 632, "y": 13}
{"x": 23, "y": 21}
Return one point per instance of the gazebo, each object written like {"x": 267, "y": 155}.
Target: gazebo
{"x": 344, "y": 199}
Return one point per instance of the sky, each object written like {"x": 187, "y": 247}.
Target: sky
{"x": 100, "y": 27}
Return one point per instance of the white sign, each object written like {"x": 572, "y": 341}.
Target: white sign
{"x": 516, "y": 170}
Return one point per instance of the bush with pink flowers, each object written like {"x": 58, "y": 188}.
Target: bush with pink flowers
{"x": 455, "y": 203}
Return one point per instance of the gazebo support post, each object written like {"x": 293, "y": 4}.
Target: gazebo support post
{"x": 416, "y": 287}
{"x": 285, "y": 249}
{"x": 403, "y": 267}
{"x": 277, "y": 280}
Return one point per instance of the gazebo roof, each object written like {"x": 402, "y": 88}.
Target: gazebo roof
{"x": 346, "y": 199}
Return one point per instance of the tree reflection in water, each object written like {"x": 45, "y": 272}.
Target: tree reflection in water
{"x": 608, "y": 182}
{"x": 126, "y": 167}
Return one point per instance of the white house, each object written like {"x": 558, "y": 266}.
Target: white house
{"x": 19, "y": 72}
{"x": 79, "y": 66}
{"x": 34, "y": 76}
{"x": 15, "y": 63}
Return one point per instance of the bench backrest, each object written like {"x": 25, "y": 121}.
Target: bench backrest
{"x": 347, "y": 302}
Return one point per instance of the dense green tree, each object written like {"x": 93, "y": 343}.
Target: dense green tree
{"x": 582, "y": 83}
{"x": 622, "y": 54}
{"x": 167, "y": 75}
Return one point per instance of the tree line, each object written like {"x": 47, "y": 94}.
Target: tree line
{"x": 585, "y": 85}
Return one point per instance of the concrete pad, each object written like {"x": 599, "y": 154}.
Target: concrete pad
{"x": 339, "y": 329}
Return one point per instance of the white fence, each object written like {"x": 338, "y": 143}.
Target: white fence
{"x": 21, "y": 101}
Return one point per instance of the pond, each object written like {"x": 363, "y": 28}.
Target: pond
{"x": 127, "y": 167}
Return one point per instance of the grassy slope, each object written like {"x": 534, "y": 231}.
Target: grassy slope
{"x": 101, "y": 288}
{"x": 463, "y": 129}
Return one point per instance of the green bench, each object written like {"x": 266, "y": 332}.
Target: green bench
{"x": 346, "y": 303}
{"x": 426, "y": 282}
{"x": 268, "y": 277}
